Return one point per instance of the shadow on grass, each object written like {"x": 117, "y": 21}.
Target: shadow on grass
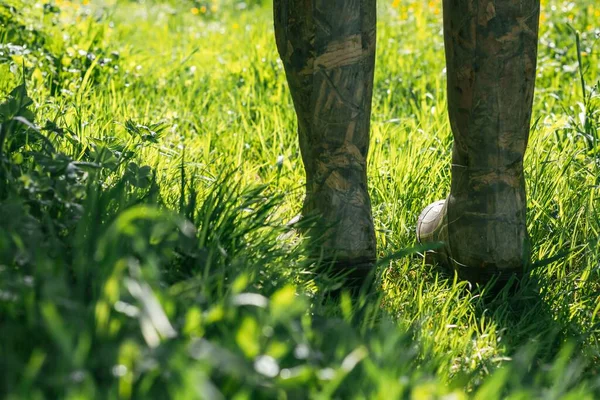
{"x": 541, "y": 339}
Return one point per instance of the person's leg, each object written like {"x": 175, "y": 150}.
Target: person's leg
{"x": 328, "y": 51}
{"x": 491, "y": 49}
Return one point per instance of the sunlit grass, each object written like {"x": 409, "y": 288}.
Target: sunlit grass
{"x": 211, "y": 77}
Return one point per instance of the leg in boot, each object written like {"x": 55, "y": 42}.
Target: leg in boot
{"x": 328, "y": 51}
{"x": 491, "y": 49}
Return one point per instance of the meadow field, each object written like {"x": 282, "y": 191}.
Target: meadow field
{"x": 149, "y": 164}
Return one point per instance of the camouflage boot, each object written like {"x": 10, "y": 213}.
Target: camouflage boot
{"x": 491, "y": 49}
{"x": 328, "y": 51}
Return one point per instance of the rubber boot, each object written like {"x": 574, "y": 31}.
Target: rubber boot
{"x": 491, "y": 50}
{"x": 328, "y": 51}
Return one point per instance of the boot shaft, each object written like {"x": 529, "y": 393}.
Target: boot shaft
{"x": 491, "y": 50}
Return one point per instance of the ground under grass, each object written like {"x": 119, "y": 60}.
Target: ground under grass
{"x": 149, "y": 163}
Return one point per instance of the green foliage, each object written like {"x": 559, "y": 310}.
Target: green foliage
{"x": 147, "y": 167}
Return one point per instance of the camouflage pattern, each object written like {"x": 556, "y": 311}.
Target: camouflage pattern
{"x": 491, "y": 50}
{"x": 328, "y": 51}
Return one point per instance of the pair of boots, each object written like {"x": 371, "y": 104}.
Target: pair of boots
{"x": 328, "y": 51}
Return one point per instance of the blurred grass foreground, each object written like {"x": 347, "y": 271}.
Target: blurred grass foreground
{"x": 148, "y": 166}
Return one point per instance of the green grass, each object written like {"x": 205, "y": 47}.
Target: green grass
{"x": 144, "y": 252}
